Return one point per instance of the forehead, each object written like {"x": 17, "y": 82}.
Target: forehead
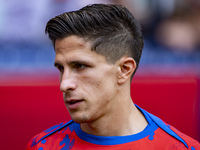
{"x": 71, "y": 42}
{"x": 74, "y": 47}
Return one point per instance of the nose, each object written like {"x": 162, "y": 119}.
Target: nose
{"x": 67, "y": 82}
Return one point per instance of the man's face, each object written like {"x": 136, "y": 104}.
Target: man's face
{"x": 88, "y": 82}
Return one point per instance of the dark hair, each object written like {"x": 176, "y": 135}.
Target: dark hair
{"x": 112, "y": 30}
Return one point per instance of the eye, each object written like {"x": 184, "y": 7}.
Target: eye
{"x": 79, "y": 66}
{"x": 60, "y": 68}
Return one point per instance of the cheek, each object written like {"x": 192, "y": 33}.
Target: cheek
{"x": 95, "y": 86}
{"x": 99, "y": 84}
{"x": 104, "y": 90}
{"x": 94, "y": 89}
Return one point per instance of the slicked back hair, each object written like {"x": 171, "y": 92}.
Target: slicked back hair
{"x": 112, "y": 30}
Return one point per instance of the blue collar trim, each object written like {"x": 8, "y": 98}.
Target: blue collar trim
{"x": 115, "y": 140}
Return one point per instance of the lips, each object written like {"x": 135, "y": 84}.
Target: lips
{"x": 72, "y": 101}
{"x": 73, "y": 104}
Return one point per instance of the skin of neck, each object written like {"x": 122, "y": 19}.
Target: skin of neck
{"x": 123, "y": 119}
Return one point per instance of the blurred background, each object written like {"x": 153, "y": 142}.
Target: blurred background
{"x": 169, "y": 72}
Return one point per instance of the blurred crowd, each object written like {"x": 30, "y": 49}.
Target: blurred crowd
{"x": 172, "y": 23}
{"x": 170, "y": 27}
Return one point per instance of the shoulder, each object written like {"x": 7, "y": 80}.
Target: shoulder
{"x": 172, "y": 135}
{"x": 192, "y": 143}
{"x": 175, "y": 137}
{"x": 48, "y": 132}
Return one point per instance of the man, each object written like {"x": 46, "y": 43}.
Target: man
{"x": 98, "y": 49}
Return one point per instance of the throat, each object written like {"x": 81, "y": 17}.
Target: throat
{"x": 130, "y": 124}
{"x": 104, "y": 129}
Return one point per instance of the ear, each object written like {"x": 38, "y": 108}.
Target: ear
{"x": 127, "y": 66}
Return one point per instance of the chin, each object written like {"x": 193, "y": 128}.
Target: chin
{"x": 80, "y": 119}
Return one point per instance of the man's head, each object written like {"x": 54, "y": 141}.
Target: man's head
{"x": 111, "y": 29}
{"x": 97, "y": 49}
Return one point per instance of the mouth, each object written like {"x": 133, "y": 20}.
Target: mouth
{"x": 73, "y": 104}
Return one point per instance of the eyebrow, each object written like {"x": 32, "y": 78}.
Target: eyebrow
{"x": 56, "y": 64}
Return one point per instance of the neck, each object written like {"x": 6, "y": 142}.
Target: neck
{"x": 125, "y": 119}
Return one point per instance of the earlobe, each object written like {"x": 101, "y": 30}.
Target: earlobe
{"x": 127, "y": 66}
